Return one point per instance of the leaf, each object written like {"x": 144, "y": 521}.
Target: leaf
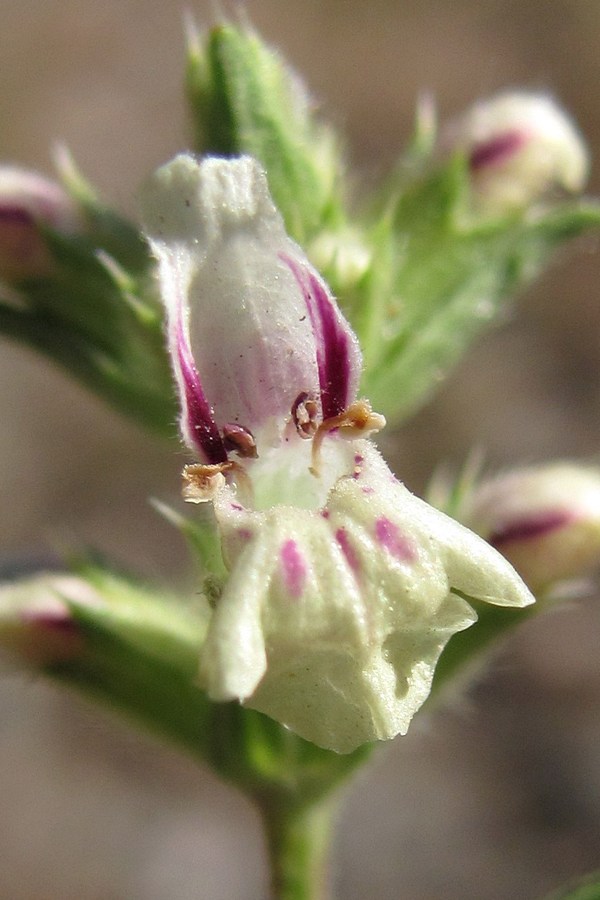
{"x": 449, "y": 278}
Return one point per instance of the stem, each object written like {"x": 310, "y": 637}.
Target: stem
{"x": 298, "y": 842}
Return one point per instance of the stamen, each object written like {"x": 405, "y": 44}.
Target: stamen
{"x": 305, "y": 410}
{"x": 203, "y": 482}
{"x": 358, "y": 420}
{"x": 239, "y": 440}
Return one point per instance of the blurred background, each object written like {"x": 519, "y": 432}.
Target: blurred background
{"x": 495, "y": 797}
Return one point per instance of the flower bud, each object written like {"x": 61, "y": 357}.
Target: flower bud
{"x": 544, "y": 520}
{"x": 343, "y": 254}
{"x": 36, "y": 623}
{"x": 519, "y": 146}
{"x": 28, "y": 201}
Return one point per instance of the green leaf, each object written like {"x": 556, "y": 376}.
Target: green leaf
{"x": 447, "y": 278}
{"x": 101, "y": 323}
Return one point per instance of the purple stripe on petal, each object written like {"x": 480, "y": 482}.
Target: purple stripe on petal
{"x": 335, "y": 351}
{"x": 497, "y": 150}
{"x": 389, "y": 536}
{"x": 198, "y": 423}
{"x": 347, "y": 549}
{"x": 294, "y": 568}
{"x": 53, "y": 622}
{"x": 530, "y": 528}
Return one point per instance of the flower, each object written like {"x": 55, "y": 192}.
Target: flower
{"x": 519, "y": 146}
{"x": 343, "y": 587}
{"x": 28, "y": 201}
{"x": 544, "y": 519}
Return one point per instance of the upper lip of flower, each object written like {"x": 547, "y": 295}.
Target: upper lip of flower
{"x": 251, "y": 325}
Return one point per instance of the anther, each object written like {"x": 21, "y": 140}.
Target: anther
{"x": 358, "y": 420}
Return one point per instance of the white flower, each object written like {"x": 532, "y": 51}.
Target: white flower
{"x": 343, "y": 587}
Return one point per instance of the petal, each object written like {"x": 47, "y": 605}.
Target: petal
{"x": 337, "y": 354}
{"x": 251, "y": 324}
{"x": 473, "y": 567}
{"x": 333, "y": 620}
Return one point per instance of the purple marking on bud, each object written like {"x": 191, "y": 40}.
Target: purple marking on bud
{"x": 497, "y": 150}
{"x": 347, "y": 549}
{"x": 23, "y": 253}
{"x": 52, "y": 636}
{"x": 325, "y": 513}
{"x": 391, "y": 538}
{"x": 294, "y": 568}
{"x": 15, "y": 215}
{"x": 244, "y": 533}
{"x": 336, "y": 355}
{"x": 59, "y": 623}
{"x": 531, "y": 528}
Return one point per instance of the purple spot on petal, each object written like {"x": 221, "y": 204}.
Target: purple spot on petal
{"x": 325, "y": 513}
{"x": 237, "y": 507}
{"x": 391, "y": 538}
{"x": 244, "y": 533}
{"x": 294, "y": 568}
{"x": 497, "y": 150}
{"x": 368, "y": 490}
{"x": 358, "y": 466}
{"x": 530, "y": 528}
{"x": 347, "y": 549}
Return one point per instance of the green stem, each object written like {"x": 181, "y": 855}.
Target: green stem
{"x": 298, "y": 842}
